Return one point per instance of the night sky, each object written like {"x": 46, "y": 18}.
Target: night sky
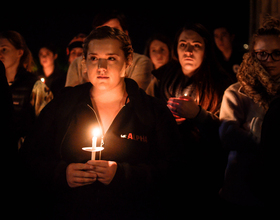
{"x": 59, "y": 24}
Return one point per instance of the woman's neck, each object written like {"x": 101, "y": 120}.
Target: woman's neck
{"x": 227, "y": 54}
{"x": 11, "y": 73}
{"x": 48, "y": 70}
{"x": 108, "y": 104}
{"x": 109, "y": 96}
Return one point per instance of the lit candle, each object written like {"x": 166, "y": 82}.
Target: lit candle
{"x": 94, "y": 140}
{"x": 42, "y": 80}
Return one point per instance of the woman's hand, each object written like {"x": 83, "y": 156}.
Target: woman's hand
{"x": 80, "y": 174}
{"x": 183, "y": 107}
{"x": 105, "y": 170}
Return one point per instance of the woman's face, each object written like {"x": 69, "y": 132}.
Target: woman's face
{"x": 74, "y": 53}
{"x": 105, "y": 63}
{"x": 269, "y": 44}
{"x": 9, "y": 55}
{"x": 190, "y": 50}
{"x": 223, "y": 39}
{"x": 159, "y": 53}
{"x": 46, "y": 57}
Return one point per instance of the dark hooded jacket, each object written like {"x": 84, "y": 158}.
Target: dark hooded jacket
{"x": 143, "y": 139}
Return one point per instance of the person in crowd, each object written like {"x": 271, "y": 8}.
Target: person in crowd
{"x": 158, "y": 49}
{"x": 141, "y": 67}
{"x": 50, "y": 73}
{"x": 138, "y": 132}
{"x": 75, "y": 47}
{"x": 29, "y": 96}
{"x": 227, "y": 54}
{"x": 243, "y": 108}
{"x": 193, "y": 88}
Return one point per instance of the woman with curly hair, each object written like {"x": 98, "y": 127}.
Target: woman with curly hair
{"x": 243, "y": 108}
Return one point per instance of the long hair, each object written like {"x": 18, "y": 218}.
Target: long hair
{"x": 209, "y": 79}
{"x": 26, "y": 60}
{"x": 256, "y": 81}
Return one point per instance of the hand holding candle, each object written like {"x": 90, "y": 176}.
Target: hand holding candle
{"x": 183, "y": 107}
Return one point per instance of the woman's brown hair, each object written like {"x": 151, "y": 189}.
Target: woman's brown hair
{"x": 26, "y": 60}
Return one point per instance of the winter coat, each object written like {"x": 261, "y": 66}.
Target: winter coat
{"x": 142, "y": 139}
{"x": 240, "y": 133}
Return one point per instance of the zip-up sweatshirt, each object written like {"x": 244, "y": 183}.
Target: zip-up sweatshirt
{"x": 143, "y": 139}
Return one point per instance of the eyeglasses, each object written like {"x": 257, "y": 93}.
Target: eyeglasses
{"x": 263, "y": 56}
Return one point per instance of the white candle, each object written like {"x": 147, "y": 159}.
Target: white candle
{"x": 94, "y": 140}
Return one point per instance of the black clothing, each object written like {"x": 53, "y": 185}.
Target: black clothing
{"x": 200, "y": 138}
{"x": 7, "y": 111}
{"x": 268, "y": 180}
{"x": 231, "y": 66}
{"x": 24, "y": 114}
{"x": 142, "y": 139}
{"x": 56, "y": 81}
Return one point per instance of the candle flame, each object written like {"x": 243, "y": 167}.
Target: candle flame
{"x": 96, "y": 132}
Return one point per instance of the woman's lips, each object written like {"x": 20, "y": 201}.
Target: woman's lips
{"x": 102, "y": 77}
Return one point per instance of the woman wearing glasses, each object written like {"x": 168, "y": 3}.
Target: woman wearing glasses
{"x": 243, "y": 108}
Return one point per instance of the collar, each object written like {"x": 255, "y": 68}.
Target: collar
{"x": 241, "y": 91}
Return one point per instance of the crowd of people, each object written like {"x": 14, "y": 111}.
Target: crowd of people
{"x": 184, "y": 127}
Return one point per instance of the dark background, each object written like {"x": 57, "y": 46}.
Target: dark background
{"x": 46, "y": 22}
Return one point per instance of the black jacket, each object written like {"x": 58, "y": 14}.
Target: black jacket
{"x": 24, "y": 114}
{"x": 143, "y": 140}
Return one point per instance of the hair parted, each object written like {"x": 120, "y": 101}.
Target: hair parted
{"x": 111, "y": 33}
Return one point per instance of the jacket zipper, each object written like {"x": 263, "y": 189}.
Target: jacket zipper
{"x": 98, "y": 120}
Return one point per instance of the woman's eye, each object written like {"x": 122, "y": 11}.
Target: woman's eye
{"x": 181, "y": 45}
{"x": 111, "y": 58}
{"x": 197, "y": 46}
{"x": 93, "y": 58}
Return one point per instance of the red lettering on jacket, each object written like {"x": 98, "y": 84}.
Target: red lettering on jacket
{"x": 135, "y": 137}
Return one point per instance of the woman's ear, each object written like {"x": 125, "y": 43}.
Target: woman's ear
{"x": 55, "y": 56}
{"x": 20, "y": 53}
{"x": 129, "y": 60}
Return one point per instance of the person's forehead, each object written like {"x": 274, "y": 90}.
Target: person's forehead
{"x": 104, "y": 46}
{"x": 190, "y": 35}
{"x": 267, "y": 42}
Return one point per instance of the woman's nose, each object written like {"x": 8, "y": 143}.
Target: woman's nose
{"x": 189, "y": 48}
{"x": 102, "y": 64}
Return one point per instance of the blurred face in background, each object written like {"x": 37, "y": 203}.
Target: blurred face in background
{"x": 223, "y": 39}
{"x": 190, "y": 50}
{"x": 74, "y": 53}
{"x": 46, "y": 57}
{"x": 159, "y": 53}
{"x": 9, "y": 55}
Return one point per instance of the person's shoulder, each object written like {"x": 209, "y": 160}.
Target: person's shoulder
{"x": 76, "y": 89}
{"x": 140, "y": 57}
{"x": 235, "y": 87}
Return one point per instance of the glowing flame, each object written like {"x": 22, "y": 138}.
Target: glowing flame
{"x": 96, "y": 132}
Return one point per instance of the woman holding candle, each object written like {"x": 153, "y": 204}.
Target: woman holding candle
{"x": 193, "y": 87}
{"x": 137, "y": 135}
